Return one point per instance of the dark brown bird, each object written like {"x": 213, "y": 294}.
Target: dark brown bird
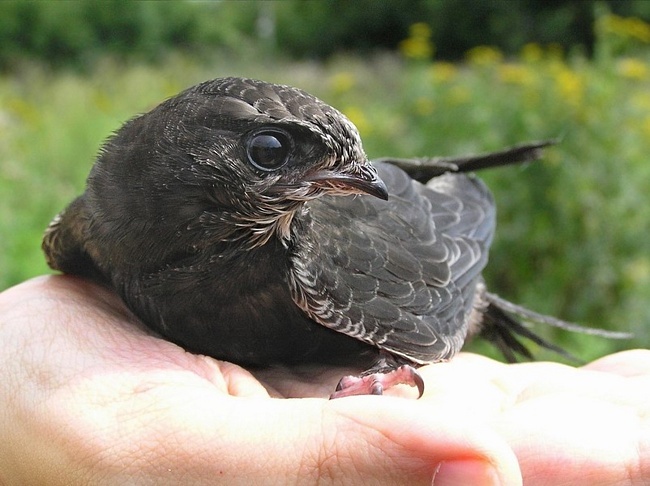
{"x": 243, "y": 220}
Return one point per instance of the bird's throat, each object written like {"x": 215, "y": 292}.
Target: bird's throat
{"x": 257, "y": 229}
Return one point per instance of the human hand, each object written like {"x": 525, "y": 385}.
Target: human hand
{"x": 90, "y": 396}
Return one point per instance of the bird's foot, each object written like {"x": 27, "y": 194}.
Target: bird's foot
{"x": 375, "y": 382}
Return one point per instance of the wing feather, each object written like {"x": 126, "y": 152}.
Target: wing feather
{"x": 399, "y": 274}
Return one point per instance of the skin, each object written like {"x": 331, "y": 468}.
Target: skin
{"x": 88, "y": 396}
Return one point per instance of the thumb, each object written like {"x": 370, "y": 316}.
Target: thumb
{"x": 407, "y": 443}
{"x": 357, "y": 440}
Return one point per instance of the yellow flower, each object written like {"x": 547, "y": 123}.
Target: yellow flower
{"x": 442, "y": 72}
{"x": 416, "y": 48}
{"x": 484, "y": 55}
{"x": 638, "y": 29}
{"x": 516, "y": 74}
{"x": 625, "y": 27}
{"x": 633, "y": 69}
{"x": 418, "y": 45}
{"x": 570, "y": 85}
{"x": 532, "y": 52}
{"x": 358, "y": 117}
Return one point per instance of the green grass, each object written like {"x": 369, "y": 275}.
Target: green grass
{"x": 573, "y": 230}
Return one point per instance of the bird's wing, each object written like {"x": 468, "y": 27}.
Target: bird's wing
{"x": 398, "y": 274}
{"x": 64, "y": 242}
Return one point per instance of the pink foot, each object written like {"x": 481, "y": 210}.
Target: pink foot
{"x": 376, "y": 383}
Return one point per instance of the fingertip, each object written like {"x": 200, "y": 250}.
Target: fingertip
{"x": 467, "y": 471}
{"x": 633, "y": 362}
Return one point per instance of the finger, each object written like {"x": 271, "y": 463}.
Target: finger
{"x": 412, "y": 440}
{"x": 632, "y": 363}
{"x": 566, "y": 438}
{"x": 578, "y": 426}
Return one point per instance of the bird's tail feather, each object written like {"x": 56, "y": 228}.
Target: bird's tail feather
{"x": 502, "y": 328}
{"x": 425, "y": 169}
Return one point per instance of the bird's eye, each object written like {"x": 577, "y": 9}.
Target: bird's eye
{"x": 269, "y": 150}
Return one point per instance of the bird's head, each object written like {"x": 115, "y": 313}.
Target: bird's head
{"x": 233, "y": 159}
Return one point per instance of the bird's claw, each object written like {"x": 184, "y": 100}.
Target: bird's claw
{"x": 376, "y": 382}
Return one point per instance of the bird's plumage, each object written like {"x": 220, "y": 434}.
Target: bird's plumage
{"x": 256, "y": 266}
{"x": 237, "y": 219}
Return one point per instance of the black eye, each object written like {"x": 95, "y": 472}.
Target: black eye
{"x": 269, "y": 149}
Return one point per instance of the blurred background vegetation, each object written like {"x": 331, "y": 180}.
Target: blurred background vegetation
{"x": 419, "y": 78}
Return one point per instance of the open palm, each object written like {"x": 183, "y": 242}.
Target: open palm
{"x": 90, "y": 396}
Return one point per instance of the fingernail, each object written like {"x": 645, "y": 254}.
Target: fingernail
{"x": 465, "y": 473}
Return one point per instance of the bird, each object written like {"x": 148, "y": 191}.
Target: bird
{"x": 243, "y": 220}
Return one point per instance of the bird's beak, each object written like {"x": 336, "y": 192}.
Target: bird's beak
{"x": 358, "y": 179}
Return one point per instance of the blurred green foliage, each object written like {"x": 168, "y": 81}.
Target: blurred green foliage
{"x": 76, "y": 33}
{"x": 79, "y": 32}
{"x": 572, "y": 235}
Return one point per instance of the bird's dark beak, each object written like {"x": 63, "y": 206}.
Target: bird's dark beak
{"x": 358, "y": 179}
